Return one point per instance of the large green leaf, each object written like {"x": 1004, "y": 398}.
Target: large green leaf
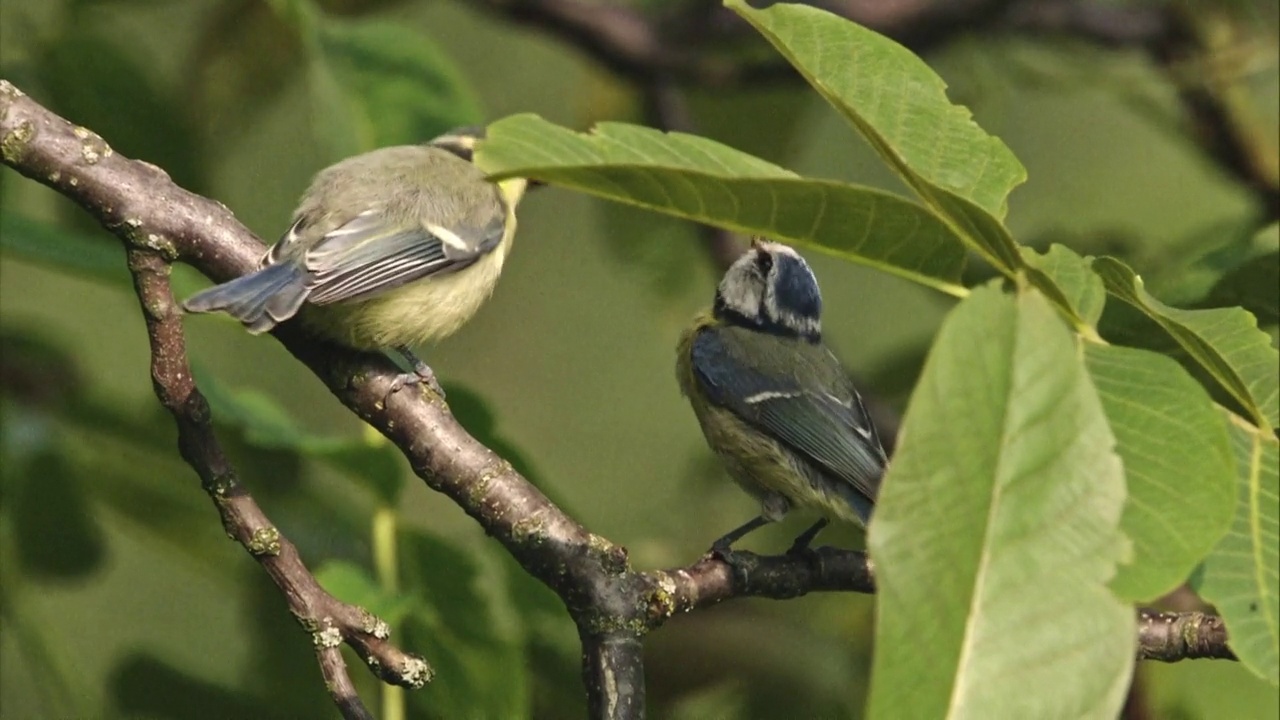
{"x": 1177, "y": 461}
{"x": 895, "y": 100}
{"x": 998, "y": 529}
{"x": 1242, "y": 574}
{"x": 698, "y": 179}
{"x": 1226, "y": 342}
{"x": 899, "y": 105}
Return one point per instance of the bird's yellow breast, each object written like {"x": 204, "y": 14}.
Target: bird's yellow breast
{"x": 416, "y": 313}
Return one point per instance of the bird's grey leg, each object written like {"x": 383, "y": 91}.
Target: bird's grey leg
{"x": 721, "y": 547}
{"x": 802, "y": 541}
{"x": 421, "y": 373}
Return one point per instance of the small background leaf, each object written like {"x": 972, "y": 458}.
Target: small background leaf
{"x": 1225, "y": 342}
{"x": 1080, "y": 285}
{"x": 265, "y": 424}
{"x": 1178, "y": 466}
{"x": 1242, "y": 574}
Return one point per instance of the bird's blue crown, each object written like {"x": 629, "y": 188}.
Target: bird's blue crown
{"x": 771, "y": 288}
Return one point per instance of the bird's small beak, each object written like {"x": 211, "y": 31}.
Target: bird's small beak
{"x": 757, "y": 242}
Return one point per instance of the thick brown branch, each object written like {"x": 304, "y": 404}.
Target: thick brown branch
{"x": 711, "y": 580}
{"x": 1170, "y": 637}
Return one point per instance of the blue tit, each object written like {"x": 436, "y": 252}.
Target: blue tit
{"x": 774, "y": 404}
{"x": 388, "y": 249}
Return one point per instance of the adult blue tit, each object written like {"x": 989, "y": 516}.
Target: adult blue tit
{"x": 774, "y": 404}
{"x": 388, "y": 249}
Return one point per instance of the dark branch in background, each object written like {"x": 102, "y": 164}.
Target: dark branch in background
{"x": 686, "y": 48}
{"x": 1224, "y": 130}
{"x": 612, "y": 605}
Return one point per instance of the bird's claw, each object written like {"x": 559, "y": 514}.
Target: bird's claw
{"x": 423, "y": 375}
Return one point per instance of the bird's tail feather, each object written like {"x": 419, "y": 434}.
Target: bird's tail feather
{"x": 260, "y": 300}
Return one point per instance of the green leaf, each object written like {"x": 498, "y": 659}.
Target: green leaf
{"x": 997, "y": 530}
{"x": 245, "y": 56}
{"x": 1081, "y": 287}
{"x": 143, "y": 685}
{"x": 56, "y": 531}
{"x": 895, "y": 101}
{"x": 1177, "y": 461}
{"x": 265, "y": 424}
{"x": 1242, "y": 574}
{"x": 90, "y": 75}
{"x": 97, "y": 258}
{"x": 1226, "y": 342}
{"x": 404, "y": 89}
{"x": 353, "y": 584}
{"x": 701, "y": 180}
{"x": 466, "y": 627}
{"x": 1254, "y": 285}
{"x": 375, "y": 83}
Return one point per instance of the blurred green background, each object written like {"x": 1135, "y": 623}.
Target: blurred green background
{"x": 121, "y": 595}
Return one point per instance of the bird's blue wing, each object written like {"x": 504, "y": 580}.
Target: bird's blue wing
{"x": 833, "y": 431}
{"x": 368, "y": 255}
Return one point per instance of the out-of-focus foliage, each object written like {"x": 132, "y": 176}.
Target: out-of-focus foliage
{"x": 119, "y": 591}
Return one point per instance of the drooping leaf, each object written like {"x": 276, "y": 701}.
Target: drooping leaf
{"x": 701, "y": 180}
{"x": 56, "y": 533}
{"x": 1225, "y": 342}
{"x": 895, "y": 101}
{"x": 1241, "y": 577}
{"x": 1177, "y": 461}
{"x": 998, "y": 529}
{"x": 245, "y": 56}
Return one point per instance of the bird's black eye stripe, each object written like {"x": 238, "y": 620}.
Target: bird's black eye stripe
{"x": 764, "y": 261}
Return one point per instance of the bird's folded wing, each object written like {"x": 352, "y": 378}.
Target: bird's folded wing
{"x": 369, "y": 255}
{"x": 831, "y": 431}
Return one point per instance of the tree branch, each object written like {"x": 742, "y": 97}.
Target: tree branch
{"x": 330, "y": 621}
{"x": 1171, "y": 637}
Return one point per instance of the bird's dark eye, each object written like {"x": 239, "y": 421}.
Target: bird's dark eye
{"x": 764, "y": 263}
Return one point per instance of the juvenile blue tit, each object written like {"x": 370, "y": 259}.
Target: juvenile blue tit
{"x": 388, "y": 249}
{"x": 772, "y": 400}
